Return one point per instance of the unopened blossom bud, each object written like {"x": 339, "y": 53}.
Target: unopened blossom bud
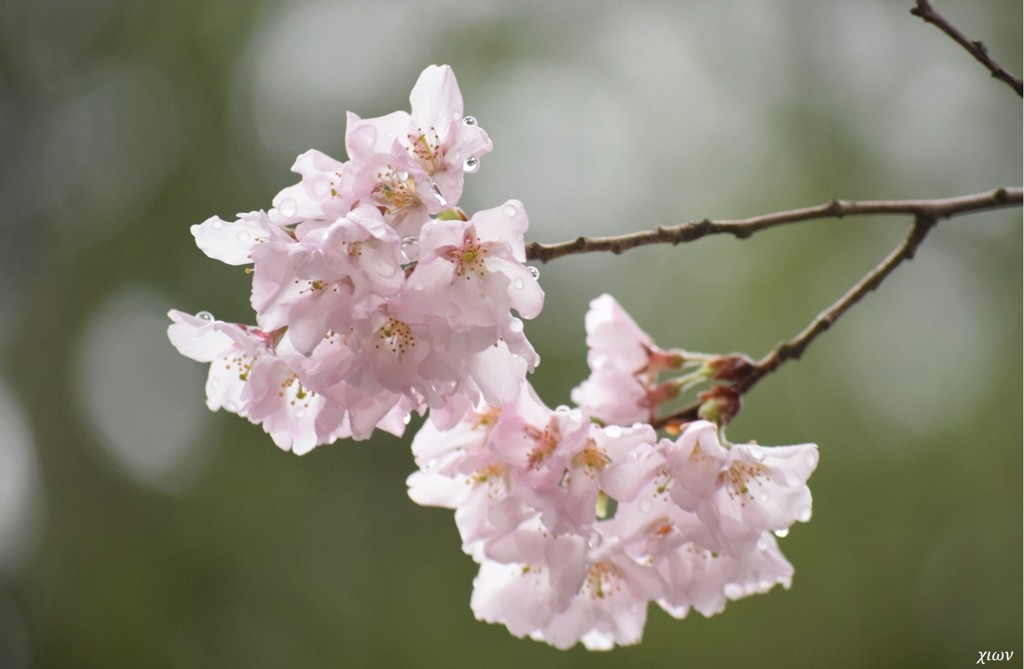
{"x": 720, "y": 404}
{"x": 731, "y": 367}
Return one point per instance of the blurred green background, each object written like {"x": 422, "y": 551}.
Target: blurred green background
{"x": 139, "y": 530}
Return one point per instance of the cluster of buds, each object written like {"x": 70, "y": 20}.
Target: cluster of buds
{"x": 376, "y": 297}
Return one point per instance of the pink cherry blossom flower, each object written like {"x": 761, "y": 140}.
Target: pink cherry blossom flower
{"x": 434, "y": 145}
{"x": 473, "y": 271}
{"x": 324, "y": 279}
{"x": 248, "y": 378}
{"x": 624, "y": 363}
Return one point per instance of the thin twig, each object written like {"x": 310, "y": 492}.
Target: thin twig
{"x": 742, "y": 228}
{"x": 926, "y": 12}
{"x": 793, "y": 349}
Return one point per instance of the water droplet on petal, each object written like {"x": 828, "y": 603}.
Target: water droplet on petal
{"x": 409, "y": 241}
{"x": 231, "y": 406}
{"x": 217, "y": 224}
{"x": 645, "y": 504}
{"x": 214, "y": 384}
{"x": 534, "y": 272}
{"x": 206, "y": 316}
{"x": 804, "y": 515}
{"x": 299, "y": 412}
{"x": 763, "y": 498}
{"x": 562, "y": 407}
{"x": 471, "y": 165}
{"x": 733, "y": 590}
{"x": 613, "y": 431}
{"x": 509, "y": 210}
{"x": 596, "y": 539}
{"x": 515, "y": 325}
{"x": 407, "y": 420}
{"x": 782, "y": 533}
{"x": 811, "y": 458}
{"x": 243, "y": 236}
{"x": 519, "y": 284}
{"x": 288, "y": 207}
{"x": 436, "y": 192}
{"x": 469, "y": 120}
{"x": 757, "y": 453}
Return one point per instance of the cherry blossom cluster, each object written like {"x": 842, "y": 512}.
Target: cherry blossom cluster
{"x": 579, "y": 522}
{"x": 374, "y": 295}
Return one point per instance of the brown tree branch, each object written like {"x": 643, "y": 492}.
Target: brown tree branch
{"x": 927, "y": 13}
{"x": 742, "y": 228}
{"x": 793, "y": 349}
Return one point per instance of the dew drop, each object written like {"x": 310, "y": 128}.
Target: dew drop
{"x": 781, "y": 533}
{"x": 733, "y": 590}
{"x": 804, "y": 515}
{"x": 217, "y": 224}
{"x": 409, "y": 241}
{"x": 288, "y": 207}
{"x": 518, "y": 284}
{"x": 613, "y": 431}
{"x": 516, "y": 325}
{"x": 214, "y": 384}
{"x": 811, "y": 458}
{"x": 431, "y": 464}
{"x": 469, "y": 120}
{"x": 205, "y": 316}
{"x": 471, "y": 165}
{"x": 562, "y": 407}
{"x": 763, "y": 498}
{"x": 596, "y": 539}
{"x": 299, "y": 412}
{"x": 231, "y": 406}
{"x": 534, "y": 272}
{"x": 645, "y": 504}
{"x": 436, "y": 192}
{"x": 510, "y": 210}
{"x": 243, "y": 236}
{"x": 757, "y": 453}
{"x": 408, "y": 419}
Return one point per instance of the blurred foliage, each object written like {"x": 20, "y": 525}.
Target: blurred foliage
{"x": 122, "y": 123}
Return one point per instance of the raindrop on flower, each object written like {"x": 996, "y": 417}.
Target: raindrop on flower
{"x": 509, "y": 210}
{"x": 645, "y": 504}
{"x": 243, "y": 236}
{"x": 299, "y": 412}
{"x": 518, "y": 284}
{"x": 436, "y": 192}
{"x": 407, "y": 420}
{"x": 811, "y": 459}
{"x": 217, "y": 224}
{"x": 288, "y": 207}
{"x": 469, "y": 120}
{"x": 596, "y": 539}
{"x": 782, "y": 533}
{"x": 205, "y": 316}
{"x": 613, "y": 431}
{"x": 562, "y": 407}
{"x": 804, "y": 515}
{"x": 231, "y": 406}
{"x": 515, "y": 325}
{"x": 409, "y": 241}
{"x": 471, "y": 165}
{"x": 757, "y": 453}
{"x": 534, "y": 272}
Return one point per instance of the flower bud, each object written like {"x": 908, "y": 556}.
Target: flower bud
{"x": 731, "y": 367}
{"x": 720, "y": 404}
